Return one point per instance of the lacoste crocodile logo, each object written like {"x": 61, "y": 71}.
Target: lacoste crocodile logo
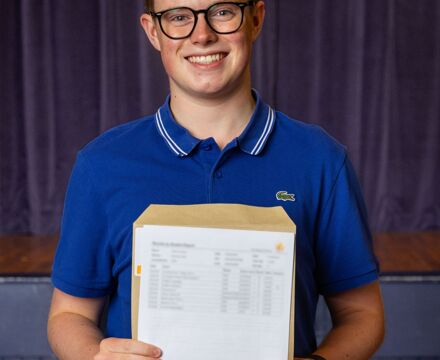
{"x": 285, "y": 196}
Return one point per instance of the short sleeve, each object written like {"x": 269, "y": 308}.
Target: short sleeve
{"x": 344, "y": 245}
{"x": 82, "y": 265}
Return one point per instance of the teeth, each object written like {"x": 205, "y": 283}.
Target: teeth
{"x": 205, "y": 60}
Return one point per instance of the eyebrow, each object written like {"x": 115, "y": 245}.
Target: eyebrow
{"x": 189, "y": 7}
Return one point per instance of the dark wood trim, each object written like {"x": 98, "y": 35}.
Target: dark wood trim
{"x": 412, "y": 252}
{"x": 408, "y": 252}
{"x": 27, "y": 255}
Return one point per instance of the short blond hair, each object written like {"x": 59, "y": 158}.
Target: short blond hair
{"x": 149, "y": 5}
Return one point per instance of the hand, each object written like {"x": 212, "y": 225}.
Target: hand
{"x": 113, "y": 348}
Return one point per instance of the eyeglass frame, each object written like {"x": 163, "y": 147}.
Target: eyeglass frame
{"x": 241, "y": 5}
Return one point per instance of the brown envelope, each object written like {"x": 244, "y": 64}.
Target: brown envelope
{"x": 220, "y": 216}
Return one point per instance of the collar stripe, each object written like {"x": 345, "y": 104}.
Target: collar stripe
{"x": 167, "y": 137}
{"x": 267, "y": 129}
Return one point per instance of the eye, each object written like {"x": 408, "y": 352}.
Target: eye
{"x": 178, "y": 18}
{"x": 224, "y": 12}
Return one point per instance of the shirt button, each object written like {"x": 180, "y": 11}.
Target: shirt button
{"x": 207, "y": 147}
{"x": 219, "y": 174}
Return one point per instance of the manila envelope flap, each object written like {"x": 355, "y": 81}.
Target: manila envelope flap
{"x": 219, "y": 216}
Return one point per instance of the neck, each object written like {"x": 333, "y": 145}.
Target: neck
{"x": 222, "y": 117}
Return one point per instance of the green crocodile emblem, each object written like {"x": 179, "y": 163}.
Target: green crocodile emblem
{"x": 285, "y": 196}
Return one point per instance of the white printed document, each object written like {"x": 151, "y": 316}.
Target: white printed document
{"x": 208, "y": 294}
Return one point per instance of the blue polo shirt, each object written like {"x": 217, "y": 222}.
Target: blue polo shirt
{"x": 154, "y": 160}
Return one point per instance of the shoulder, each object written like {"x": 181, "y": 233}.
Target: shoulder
{"x": 307, "y": 140}
{"x": 121, "y": 135}
{"x": 122, "y": 139}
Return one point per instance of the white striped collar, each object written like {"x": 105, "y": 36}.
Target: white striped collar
{"x": 254, "y": 138}
{"x": 252, "y": 141}
{"x": 178, "y": 139}
{"x": 168, "y": 139}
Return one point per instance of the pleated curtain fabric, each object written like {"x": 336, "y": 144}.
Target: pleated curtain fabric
{"x": 368, "y": 71}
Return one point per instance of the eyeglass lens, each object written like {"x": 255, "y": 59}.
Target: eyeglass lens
{"x": 223, "y": 18}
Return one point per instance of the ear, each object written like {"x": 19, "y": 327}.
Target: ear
{"x": 148, "y": 23}
{"x": 258, "y": 18}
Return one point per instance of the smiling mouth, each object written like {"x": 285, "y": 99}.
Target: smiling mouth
{"x": 206, "y": 60}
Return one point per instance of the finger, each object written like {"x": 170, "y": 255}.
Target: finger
{"x": 129, "y": 346}
{"x": 116, "y": 356}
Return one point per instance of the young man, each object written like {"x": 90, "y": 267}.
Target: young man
{"x": 213, "y": 141}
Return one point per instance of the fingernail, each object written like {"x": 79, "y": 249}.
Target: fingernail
{"x": 157, "y": 352}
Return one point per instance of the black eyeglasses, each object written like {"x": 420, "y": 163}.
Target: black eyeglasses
{"x": 222, "y": 18}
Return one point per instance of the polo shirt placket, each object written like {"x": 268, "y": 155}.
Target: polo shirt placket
{"x": 182, "y": 144}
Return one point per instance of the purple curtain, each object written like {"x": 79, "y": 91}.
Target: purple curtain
{"x": 368, "y": 71}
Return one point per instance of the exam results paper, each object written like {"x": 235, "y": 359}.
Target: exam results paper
{"x": 215, "y": 293}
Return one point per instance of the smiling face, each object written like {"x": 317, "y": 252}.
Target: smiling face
{"x": 206, "y": 64}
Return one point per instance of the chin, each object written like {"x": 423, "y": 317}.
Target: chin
{"x": 208, "y": 90}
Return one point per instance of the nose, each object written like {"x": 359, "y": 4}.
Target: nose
{"x": 203, "y": 34}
